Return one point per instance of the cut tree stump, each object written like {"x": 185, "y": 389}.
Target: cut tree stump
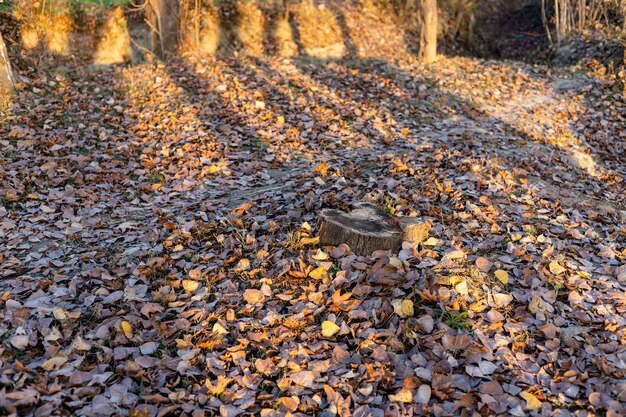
{"x": 368, "y": 228}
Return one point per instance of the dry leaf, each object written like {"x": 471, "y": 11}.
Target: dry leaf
{"x": 195, "y": 273}
{"x": 483, "y": 264}
{"x": 329, "y": 328}
{"x": 254, "y": 297}
{"x": 59, "y": 313}
{"x": 502, "y": 276}
{"x": 423, "y": 394}
{"x": 53, "y": 363}
{"x": 402, "y": 396}
{"x": 19, "y": 342}
{"x": 318, "y": 273}
{"x": 532, "y": 402}
{"x": 403, "y": 308}
{"x": 556, "y": 268}
{"x": 127, "y": 329}
{"x": 303, "y": 378}
{"x": 190, "y": 285}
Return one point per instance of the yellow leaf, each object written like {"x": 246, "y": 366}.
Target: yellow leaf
{"x": 309, "y": 241}
{"x": 396, "y": 263}
{"x": 403, "y": 308}
{"x": 329, "y": 328}
{"x": 318, "y": 273}
{"x": 127, "y": 329}
{"x": 556, "y": 268}
{"x": 218, "y": 328}
{"x": 280, "y": 120}
{"x": 461, "y": 288}
{"x": 405, "y": 131}
{"x": 532, "y": 402}
{"x": 407, "y": 308}
{"x": 403, "y": 396}
{"x": 502, "y": 276}
{"x": 190, "y": 285}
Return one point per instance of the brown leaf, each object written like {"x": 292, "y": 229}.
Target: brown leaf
{"x": 483, "y": 264}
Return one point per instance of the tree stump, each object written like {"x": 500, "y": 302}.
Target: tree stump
{"x": 368, "y": 228}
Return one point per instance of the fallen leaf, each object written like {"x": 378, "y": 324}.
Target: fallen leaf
{"x": 254, "y": 297}
{"x": 127, "y": 329}
{"x": 303, "y": 378}
{"x": 532, "y": 402}
{"x": 318, "y": 273}
{"x": 556, "y": 268}
{"x": 329, "y": 328}
{"x": 502, "y": 276}
{"x": 423, "y": 394}
{"x": 403, "y": 308}
{"x": 483, "y": 264}
{"x": 53, "y": 363}
{"x": 402, "y": 396}
{"x": 19, "y": 342}
{"x": 190, "y": 285}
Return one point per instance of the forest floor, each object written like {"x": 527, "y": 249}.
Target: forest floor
{"x": 158, "y": 251}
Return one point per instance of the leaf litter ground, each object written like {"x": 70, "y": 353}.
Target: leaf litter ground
{"x": 158, "y": 251}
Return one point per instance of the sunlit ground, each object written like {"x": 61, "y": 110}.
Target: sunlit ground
{"x": 157, "y": 241}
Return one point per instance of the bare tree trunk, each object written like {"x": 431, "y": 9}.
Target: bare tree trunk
{"x": 7, "y": 81}
{"x": 163, "y": 16}
{"x": 544, "y": 20}
{"x": 427, "y": 12}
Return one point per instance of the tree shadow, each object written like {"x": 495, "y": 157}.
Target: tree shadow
{"x": 228, "y": 32}
{"x": 348, "y": 42}
{"x": 272, "y": 16}
{"x": 407, "y": 86}
{"x": 295, "y": 31}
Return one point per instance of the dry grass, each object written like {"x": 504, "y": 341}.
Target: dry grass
{"x": 30, "y": 37}
{"x": 319, "y": 31}
{"x": 375, "y": 32}
{"x": 282, "y": 38}
{"x": 57, "y": 29}
{"x": 49, "y": 26}
{"x": 210, "y": 32}
{"x": 114, "y": 44}
{"x": 200, "y": 28}
{"x": 250, "y": 28}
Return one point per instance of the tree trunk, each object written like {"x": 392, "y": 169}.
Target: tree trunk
{"x": 163, "y": 16}
{"x": 427, "y": 14}
{"x": 7, "y": 82}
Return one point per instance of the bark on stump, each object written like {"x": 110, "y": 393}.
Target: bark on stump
{"x": 368, "y": 228}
